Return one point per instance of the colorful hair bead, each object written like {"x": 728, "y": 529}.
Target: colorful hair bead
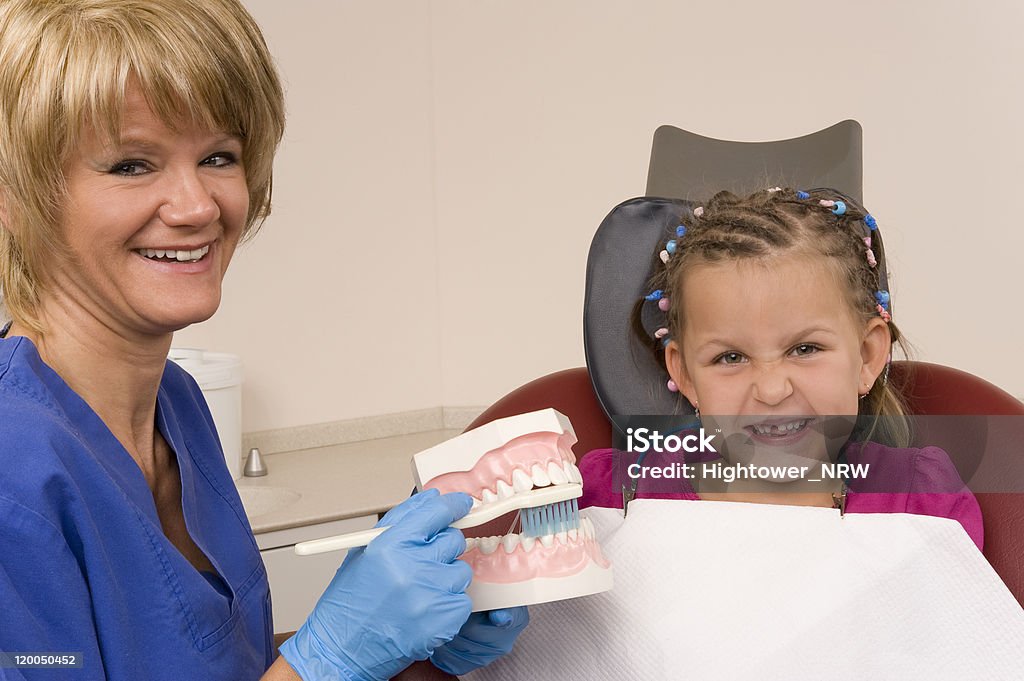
{"x": 871, "y": 254}
{"x": 664, "y": 256}
{"x": 802, "y": 195}
{"x": 661, "y": 333}
{"x": 671, "y": 247}
{"x": 774, "y": 189}
{"x": 826, "y": 203}
{"x": 653, "y": 295}
{"x": 698, "y": 212}
{"x": 870, "y": 222}
{"x": 882, "y": 299}
{"x": 680, "y": 231}
{"x": 840, "y": 208}
{"x": 663, "y": 305}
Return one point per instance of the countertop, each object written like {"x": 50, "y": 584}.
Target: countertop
{"x": 311, "y": 486}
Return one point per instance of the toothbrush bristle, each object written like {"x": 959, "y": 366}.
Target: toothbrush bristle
{"x": 551, "y": 518}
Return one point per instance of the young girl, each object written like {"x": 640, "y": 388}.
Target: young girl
{"x": 771, "y": 317}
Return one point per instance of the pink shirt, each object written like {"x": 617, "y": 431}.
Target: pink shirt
{"x": 920, "y": 481}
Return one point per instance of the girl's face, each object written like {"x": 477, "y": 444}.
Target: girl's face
{"x": 771, "y": 347}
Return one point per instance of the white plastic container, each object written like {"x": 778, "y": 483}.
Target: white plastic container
{"x": 219, "y": 376}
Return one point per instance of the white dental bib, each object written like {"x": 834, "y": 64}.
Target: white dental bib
{"x": 718, "y": 591}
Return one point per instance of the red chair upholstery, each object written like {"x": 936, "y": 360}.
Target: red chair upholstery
{"x": 937, "y": 390}
{"x": 929, "y": 389}
{"x": 570, "y": 392}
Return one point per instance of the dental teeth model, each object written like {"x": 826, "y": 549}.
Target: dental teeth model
{"x": 520, "y": 463}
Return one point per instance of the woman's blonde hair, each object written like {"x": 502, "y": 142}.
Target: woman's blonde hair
{"x": 65, "y": 66}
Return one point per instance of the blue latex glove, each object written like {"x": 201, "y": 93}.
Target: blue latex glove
{"x": 484, "y": 638}
{"x": 393, "y": 602}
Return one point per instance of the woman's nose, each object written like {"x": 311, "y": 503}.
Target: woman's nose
{"x": 772, "y": 386}
{"x": 188, "y": 201}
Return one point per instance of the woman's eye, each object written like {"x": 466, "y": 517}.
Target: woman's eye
{"x": 729, "y": 358}
{"x": 805, "y": 349}
{"x": 220, "y": 159}
{"x": 130, "y": 168}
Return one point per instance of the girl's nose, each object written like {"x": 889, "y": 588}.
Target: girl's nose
{"x": 772, "y": 386}
{"x": 189, "y": 202}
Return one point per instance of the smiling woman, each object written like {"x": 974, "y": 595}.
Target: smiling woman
{"x": 152, "y": 220}
{"x": 148, "y": 75}
{"x": 137, "y": 139}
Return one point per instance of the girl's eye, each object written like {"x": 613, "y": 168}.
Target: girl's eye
{"x": 220, "y": 160}
{"x": 130, "y": 168}
{"x": 805, "y": 349}
{"x": 729, "y": 358}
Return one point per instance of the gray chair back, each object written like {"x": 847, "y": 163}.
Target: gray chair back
{"x": 685, "y": 165}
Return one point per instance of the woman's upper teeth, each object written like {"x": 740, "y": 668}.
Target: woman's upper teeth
{"x": 180, "y": 256}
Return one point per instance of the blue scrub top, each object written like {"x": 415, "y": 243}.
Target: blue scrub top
{"x": 84, "y": 563}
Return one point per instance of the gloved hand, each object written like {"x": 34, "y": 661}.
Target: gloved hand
{"x": 393, "y": 602}
{"x": 484, "y": 638}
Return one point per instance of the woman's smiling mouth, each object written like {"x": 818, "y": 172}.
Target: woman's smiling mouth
{"x": 174, "y": 254}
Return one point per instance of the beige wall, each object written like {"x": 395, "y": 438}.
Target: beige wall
{"x": 447, "y": 163}
{"x": 334, "y": 306}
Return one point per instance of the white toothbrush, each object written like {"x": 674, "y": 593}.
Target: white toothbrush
{"x": 540, "y": 497}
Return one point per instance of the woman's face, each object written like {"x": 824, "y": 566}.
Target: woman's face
{"x": 151, "y": 221}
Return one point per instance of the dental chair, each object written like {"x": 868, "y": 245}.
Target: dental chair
{"x": 619, "y": 379}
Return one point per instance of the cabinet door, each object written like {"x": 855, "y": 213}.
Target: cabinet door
{"x": 296, "y": 582}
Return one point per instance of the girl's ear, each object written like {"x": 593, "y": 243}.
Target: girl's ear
{"x": 875, "y": 349}
{"x": 677, "y": 370}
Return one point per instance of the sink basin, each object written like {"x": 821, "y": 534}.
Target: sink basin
{"x": 259, "y": 501}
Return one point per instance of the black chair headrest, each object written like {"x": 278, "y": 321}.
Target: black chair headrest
{"x": 626, "y": 378}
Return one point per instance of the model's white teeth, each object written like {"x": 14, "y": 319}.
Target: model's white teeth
{"x": 556, "y": 474}
{"x": 180, "y": 256}
{"x": 540, "y": 476}
{"x": 510, "y": 542}
{"x": 587, "y": 527}
{"x": 504, "y": 490}
{"x": 521, "y": 481}
{"x": 780, "y": 428}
